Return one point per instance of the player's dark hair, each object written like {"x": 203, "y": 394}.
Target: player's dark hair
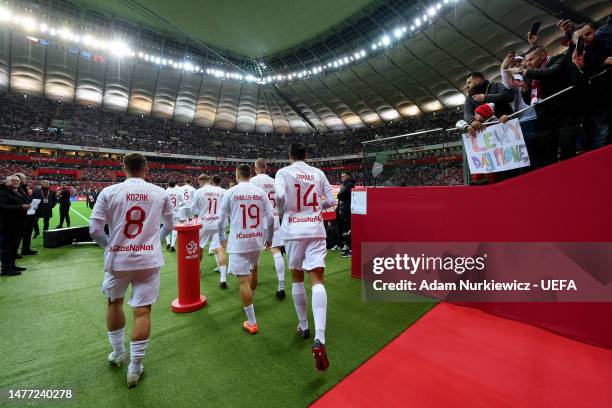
{"x": 216, "y": 180}
{"x": 297, "y": 151}
{"x": 476, "y": 74}
{"x": 582, "y": 25}
{"x": 244, "y": 171}
{"x": 535, "y": 48}
{"x": 134, "y": 163}
{"x": 171, "y": 183}
{"x": 187, "y": 181}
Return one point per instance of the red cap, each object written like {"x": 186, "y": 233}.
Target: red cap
{"x": 485, "y": 110}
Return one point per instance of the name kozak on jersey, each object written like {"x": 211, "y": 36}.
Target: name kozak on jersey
{"x": 303, "y": 189}
{"x": 249, "y": 211}
{"x": 133, "y": 211}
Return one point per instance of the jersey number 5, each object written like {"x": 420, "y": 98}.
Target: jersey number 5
{"x": 303, "y": 200}
{"x": 131, "y": 220}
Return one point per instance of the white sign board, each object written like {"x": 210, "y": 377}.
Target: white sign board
{"x": 498, "y": 148}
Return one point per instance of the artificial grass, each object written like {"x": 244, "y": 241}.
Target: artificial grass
{"x": 54, "y": 336}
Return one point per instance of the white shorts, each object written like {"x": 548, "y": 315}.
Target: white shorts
{"x": 276, "y": 239}
{"x": 210, "y": 238}
{"x": 306, "y": 253}
{"x": 242, "y": 264}
{"x": 145, "y": 286}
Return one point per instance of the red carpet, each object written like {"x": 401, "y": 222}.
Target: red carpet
{"x": 462, "y": 357}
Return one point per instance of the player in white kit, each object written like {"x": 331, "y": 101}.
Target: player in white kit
{"x": 302, "y": 192}
{"x": 266, "y": 183}
{"x": 188, "y": 192}
{"x": 176, "y": 201}
{"x": 133, "y": 211}
{"x": 206, "y": 205}
{"x": 251, "y": 227}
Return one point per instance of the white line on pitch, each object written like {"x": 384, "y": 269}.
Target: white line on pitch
{"x": 79, "y": 214}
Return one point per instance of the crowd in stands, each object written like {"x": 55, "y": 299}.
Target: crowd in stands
{"x": 563, "y": 102}
{"x": 30, "y": 118}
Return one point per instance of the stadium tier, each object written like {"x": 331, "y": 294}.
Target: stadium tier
{"x": 347, "y": 203}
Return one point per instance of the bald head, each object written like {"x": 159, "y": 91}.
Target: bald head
{"x": 261, "y": 166}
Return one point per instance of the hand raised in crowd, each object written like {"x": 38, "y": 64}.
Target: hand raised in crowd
{"x": 608, "y": 61}
{"x": 507, "y": 61}
{"x": 26, "y": 206}
{"x": 504, "y": 119}
{"x": 478, "y": 98}
{"x": 578, "y": 60}
{"x": 532, "y": 39}
{"x": 565, "y": 26}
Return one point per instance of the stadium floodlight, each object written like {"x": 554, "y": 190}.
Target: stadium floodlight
{"x": 76, "y": 38}
{"x": 362, "y": 53}
{"x": 28, "y": 23}
{"x": 438, "y": 6}
{"x": 119, "y": 48}
{"x": 386, "y": 40}
{"x": 158, "y": 60}
{"x": 397, "y": 33}
{"x": 431, "y": 11}
{"x": 445, "y": 1}
{"x": 374, "y": 46}
{"x": 65, "y": 33}
{"x": 43, "y": 28}
{"x": 5, "y": 14}
{"x": 417, "y": 22}
{"x": 412, "y": 28}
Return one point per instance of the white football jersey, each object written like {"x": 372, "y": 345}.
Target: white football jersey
{"x": 133, "y": 211}
{"x": 266, "y": 183}
{"x": 188, "y": 192}
{"x": 303, "y": 189}
{"x": 206, "y": 205}
{"x": 250, "y": 213}
{"x": 176, "y": 199}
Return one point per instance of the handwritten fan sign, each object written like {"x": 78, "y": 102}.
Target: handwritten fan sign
{"x": 498, "y": 148}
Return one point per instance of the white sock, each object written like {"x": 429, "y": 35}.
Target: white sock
{"x": 250, "y": 312}
{"x": 319, "y": 310}
{"x": 174, "y": 234}
{"x": 223, "y": 270}
{"x": 168, "y": 239}
{"x": 279, "y": 264}
{"x": 137, "y": 352}
{"x": 117, "y": 340}
{"x": 217, "y": 259}
{"x": 300, "y": 302}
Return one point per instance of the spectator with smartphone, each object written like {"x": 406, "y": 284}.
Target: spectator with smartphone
{"x": 557, "y": 117}
{"x": 589, "y": 54}
{"x": 527, "y": 118}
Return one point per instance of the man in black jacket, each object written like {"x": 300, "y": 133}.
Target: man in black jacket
{"x": 12, "y": 219}
{"x": 48, "y": 199}
{"x": 64, "y": 207}
{"x": 481, "y": 91}
{"x": 343, "y": 213}
{"x": 26, "y": 239}
{"x": 558, "y": 116}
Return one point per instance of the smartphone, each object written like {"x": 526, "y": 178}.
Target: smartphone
{"x": 535, "y": 28}
{"x": 580, "y": 46}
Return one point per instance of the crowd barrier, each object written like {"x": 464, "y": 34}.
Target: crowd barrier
{"x": 566, "y": 202}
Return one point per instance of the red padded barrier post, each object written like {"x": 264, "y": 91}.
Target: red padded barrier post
{"x": 189, "y": 297}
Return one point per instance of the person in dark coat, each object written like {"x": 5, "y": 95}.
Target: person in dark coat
{"x": 64, "y": 207}
{"x": 48, "y": 199}
{"x": 26, "y": 239}
{"x": 343, "y": 213}
{"x": 12, "y": 220}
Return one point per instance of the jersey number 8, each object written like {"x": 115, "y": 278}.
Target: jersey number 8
{"x": 130, "y": 219}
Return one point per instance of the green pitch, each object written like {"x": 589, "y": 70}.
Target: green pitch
{"x": 54, "y": 336}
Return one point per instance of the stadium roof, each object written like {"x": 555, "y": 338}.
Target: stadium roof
{"x": 254, "y": 29}
{"x": 421, "y": 69}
